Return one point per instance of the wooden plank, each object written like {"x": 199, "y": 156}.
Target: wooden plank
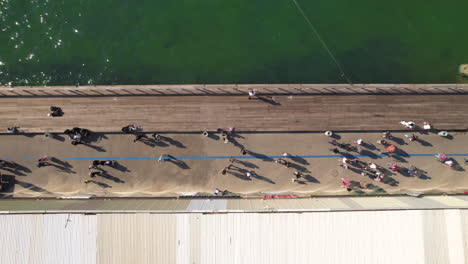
{"x": 194, "y": 113}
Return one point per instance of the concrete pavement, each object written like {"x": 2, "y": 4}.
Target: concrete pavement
{"x": 199, "y": 161}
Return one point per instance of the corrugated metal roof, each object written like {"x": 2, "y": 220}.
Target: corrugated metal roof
{"x": 448, "y": 200}
{"x": 60, "y": 238}
{"x": 136, "y": 238}
{"x": 390, "y": 202}
{"x": 415, "y": 236}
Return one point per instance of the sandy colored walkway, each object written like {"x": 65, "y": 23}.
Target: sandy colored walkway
{"x": 200, "y": 161}
{"x": 200, "y": 113}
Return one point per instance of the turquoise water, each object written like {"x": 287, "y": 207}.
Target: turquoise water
{"x": 79, "y": 42}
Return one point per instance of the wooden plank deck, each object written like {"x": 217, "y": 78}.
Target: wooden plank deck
{"x": 199, "y": 113}
{"x": 231, "y": 89}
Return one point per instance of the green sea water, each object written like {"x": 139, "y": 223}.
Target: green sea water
{"x": 81, "y": 42}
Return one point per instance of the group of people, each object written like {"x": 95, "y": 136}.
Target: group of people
{"x": 286, "y": 163}
{"x": 77, "y": 134}
{"x": 247, "y": 174}
{"x": 371, "y": 170}
{"x": 55, "y": 111}
{"x": 346, "y": 146}
{"x": 94, "y": 167}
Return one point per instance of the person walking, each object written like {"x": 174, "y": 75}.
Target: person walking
{"x": 55, "y": 111}
{"x": 252, "y": 93}
{"x": 298, "y": 174}
{"x": 382, "y": 142}
{"x": 283, "y": 162}
{"x": 359, "y": 141}
{"x": 224, "y": 171}
{"x": 243, "y": 151}
{"x": 232, "y": 159}
{"x": 387, "y": 134}
{"x": 43, "y": 161}
{"x": 12, "y": 129}
{"x": 412, "y": 137}
{"x": 162, "y": 158}
{"x": 408, "y": 124}
{"x": 156, "y": 137}
{"x": 106, "y": 162}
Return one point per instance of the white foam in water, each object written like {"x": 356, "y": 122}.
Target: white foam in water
{"x": 75, "y": 30}
{"x": 1, "y": 63}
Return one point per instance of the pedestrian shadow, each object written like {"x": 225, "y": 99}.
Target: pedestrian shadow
{"x": 424, "y": 143}
{"x": 398, "y": 158}
{"x": 101, "y": 184}
{"x": 31, "y": 187}
{"x": 268, "y": 100}
{"x": 97, "y": 148}
{"x": 256, "y": 176}
{"x": 62, "y": 168}
{"x": 106, "y": 175}
{"x": 310, "y": 178}
{"x": 239, "y": 175}
{"x": 449, "y": 137}
{"x": 259, "y": 156}
{"x": 7, "y": 183}
{"x": 369, "y": 146}
{"x": 404, "y": 172}
{"x": 181, "y": 164}
{"x": 374, "y": 189}
{"x": 95, "y": 137}
{"x": 398, "y": 140}
{"x": 299, "y": 160}
{"x": 160, "y": 143}
{"x": 236, "y": 143}
{"x": 119, "y": 167}
{"x": 58, "y": 137}
{"x": 148, "y": 141}
{"x": 246, "y": 164}
{"x": 422, "y": 175}
{"x": 456, "y": 166}
{"x": 299, "y": 168}
{"x": 390, "y": 181}
{"x": 235, "y": 135}
{"x": 355, "y": 170}
{"x": 370, "y": 154}
{"x": 335, "y": 136}
{"x": 213, "y": 136}
{"x": 18, "y": 166}
{"x": 173, "y": 142}
{"x": 62, "y": 165}
{"x": 13, "y": 171}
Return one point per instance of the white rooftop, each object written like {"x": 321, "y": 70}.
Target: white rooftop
{"x": 396, "y": 236}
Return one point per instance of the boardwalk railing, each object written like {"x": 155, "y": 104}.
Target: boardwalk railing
{"x": 230, "y": 89}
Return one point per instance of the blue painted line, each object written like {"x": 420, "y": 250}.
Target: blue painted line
{"x": 138, "y": 158}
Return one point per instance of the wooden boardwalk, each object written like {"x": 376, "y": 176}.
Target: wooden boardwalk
{"x": 200, "y": 113}
{"x": 232, "y": 89}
